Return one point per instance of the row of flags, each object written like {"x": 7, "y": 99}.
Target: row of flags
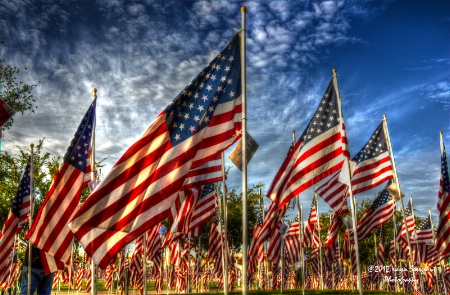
{"x": 170, "y": 171}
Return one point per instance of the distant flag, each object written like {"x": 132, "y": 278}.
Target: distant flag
{"x": 49, "y": 231}
{"x": 6, "y": 112}
{"x": 201, "y": 122}
{"x": 18, "y": 215}
{"x": 372, "y": 164}
{"x": 409, "y": 222}
{"x": 424, "y": 232}
{"x": 319, "y": 152}
{"x": 205, "y": 208}
{"x": 443, "y": 228}
{"x": 379, "y": 212}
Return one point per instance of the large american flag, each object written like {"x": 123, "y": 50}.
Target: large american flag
{"x": 20, "y": 209}
{"x": 318, "y": 153}
{"x": 443, "y": 228}
{"x": 6, "y": 112}
{"x": 49, "y": 231}
{"x": 379, "y": 212}
{"x": 202, "y": 121}
{"x": 371, "y": 167}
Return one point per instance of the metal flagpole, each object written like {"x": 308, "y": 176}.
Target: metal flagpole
{"x": 302, "y": 254}
{"x": 434, "y": 243}
{"x": 244, "y": 156}
{"x": 93, "y": 267}
{"x": 300, "y": 227}
{"x": 70, "y": 268}
{"x": 352, "y": 198}
{"x": 394, "y": 219}
{"x": 144, "y": 263}
{"x": 320, "y": 239}
{"x": 394, "y": 168}
{"x": 224, "y": 271}
{"x": 332, "y": 265}
{"x": 376, "y": 253}
{"x": 30, "y": 220}
{"x": 417, "y": 245}
{"x": 225, "y": 225}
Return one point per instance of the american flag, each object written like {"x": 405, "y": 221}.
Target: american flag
{"x": 180, "y": 224}
{"x": 381, "y": 260}
{"x": 311, "y": 225}
{"x": 379, "y": 212}
{"x": 50, "y": 231}
{"x": 20, "y": 209}
{"x": 372, "y": 165}
{"x": 409, "y": 222}
{"x": 443, "y": 228}
{"x": 330, "y": 245}
{"x": 320, "y": 151}
{"x": 201, "y": 122}
{"x": 205, "y": 208}
{"x": 424, "y": 232}
{"x": 334, "y": 193}
{"x": 215, "y": 243}
{"x": 154, "y": 246}
{"x": 6, "y": 112}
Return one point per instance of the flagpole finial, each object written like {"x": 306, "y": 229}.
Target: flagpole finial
{"x": 243, "y": 9}
{"x": 32, "y": 145}
{"x": 440, "y": 132}
{"x": 94, "y": 91}
{"x": 334, "y": 71}
{"x": 384, "y": 116}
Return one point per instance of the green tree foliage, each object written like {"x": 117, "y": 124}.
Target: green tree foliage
{"x": 11, "y": 171}
{"x": 14, "y": 92}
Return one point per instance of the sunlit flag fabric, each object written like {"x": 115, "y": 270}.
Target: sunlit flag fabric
{"x": 443, "y": 228}
{"x": 202, "y": 121}
{"x": 379, "y": 212}
{"x": 49, "y": 231}
{"x": 18, "y": 215}
{"x": 318, "y": 153}
{"x": 205, "y": 208}
{"x": 6, "y": 112}
{"x": 424, "y": 232}
{"x": 372, "y": 165}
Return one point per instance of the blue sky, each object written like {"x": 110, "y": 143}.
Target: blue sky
{"x": 392, "y": 57}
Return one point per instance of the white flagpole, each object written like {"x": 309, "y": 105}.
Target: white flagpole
{"x": 30, "y": 220}
{"x": 93, "y": 268}
{"x": 394, "y": 219}
{"x": 352, "y": 198}
{"x": 224, "y": 271}
{"x": 320, "y": 239}
{"x": 302, "y": 257}
{"x": 144, "y": 263}
{"x": 417, "y": 245}
{"x": 225, "y": 226}
{"x": 300, "y": 227}
{"x": 394, "y": 168}
{"x": 244, "y": 156}
{"x": 376, "y": 255}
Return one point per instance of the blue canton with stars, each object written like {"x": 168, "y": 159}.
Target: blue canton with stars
{"x": 444, "y": 170}
{"x": 408, "y": 209}
{"x": 219, "y": 82}
{"x": 77, "y": 152}
{"x": 207, "y": 189}
{"x": 22, "y": 192}
{"x": 325, "y": 117}
{"x": 382, "y": 198}
{"x": 374, "y": 147}
{"x": 425, "y": 224}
